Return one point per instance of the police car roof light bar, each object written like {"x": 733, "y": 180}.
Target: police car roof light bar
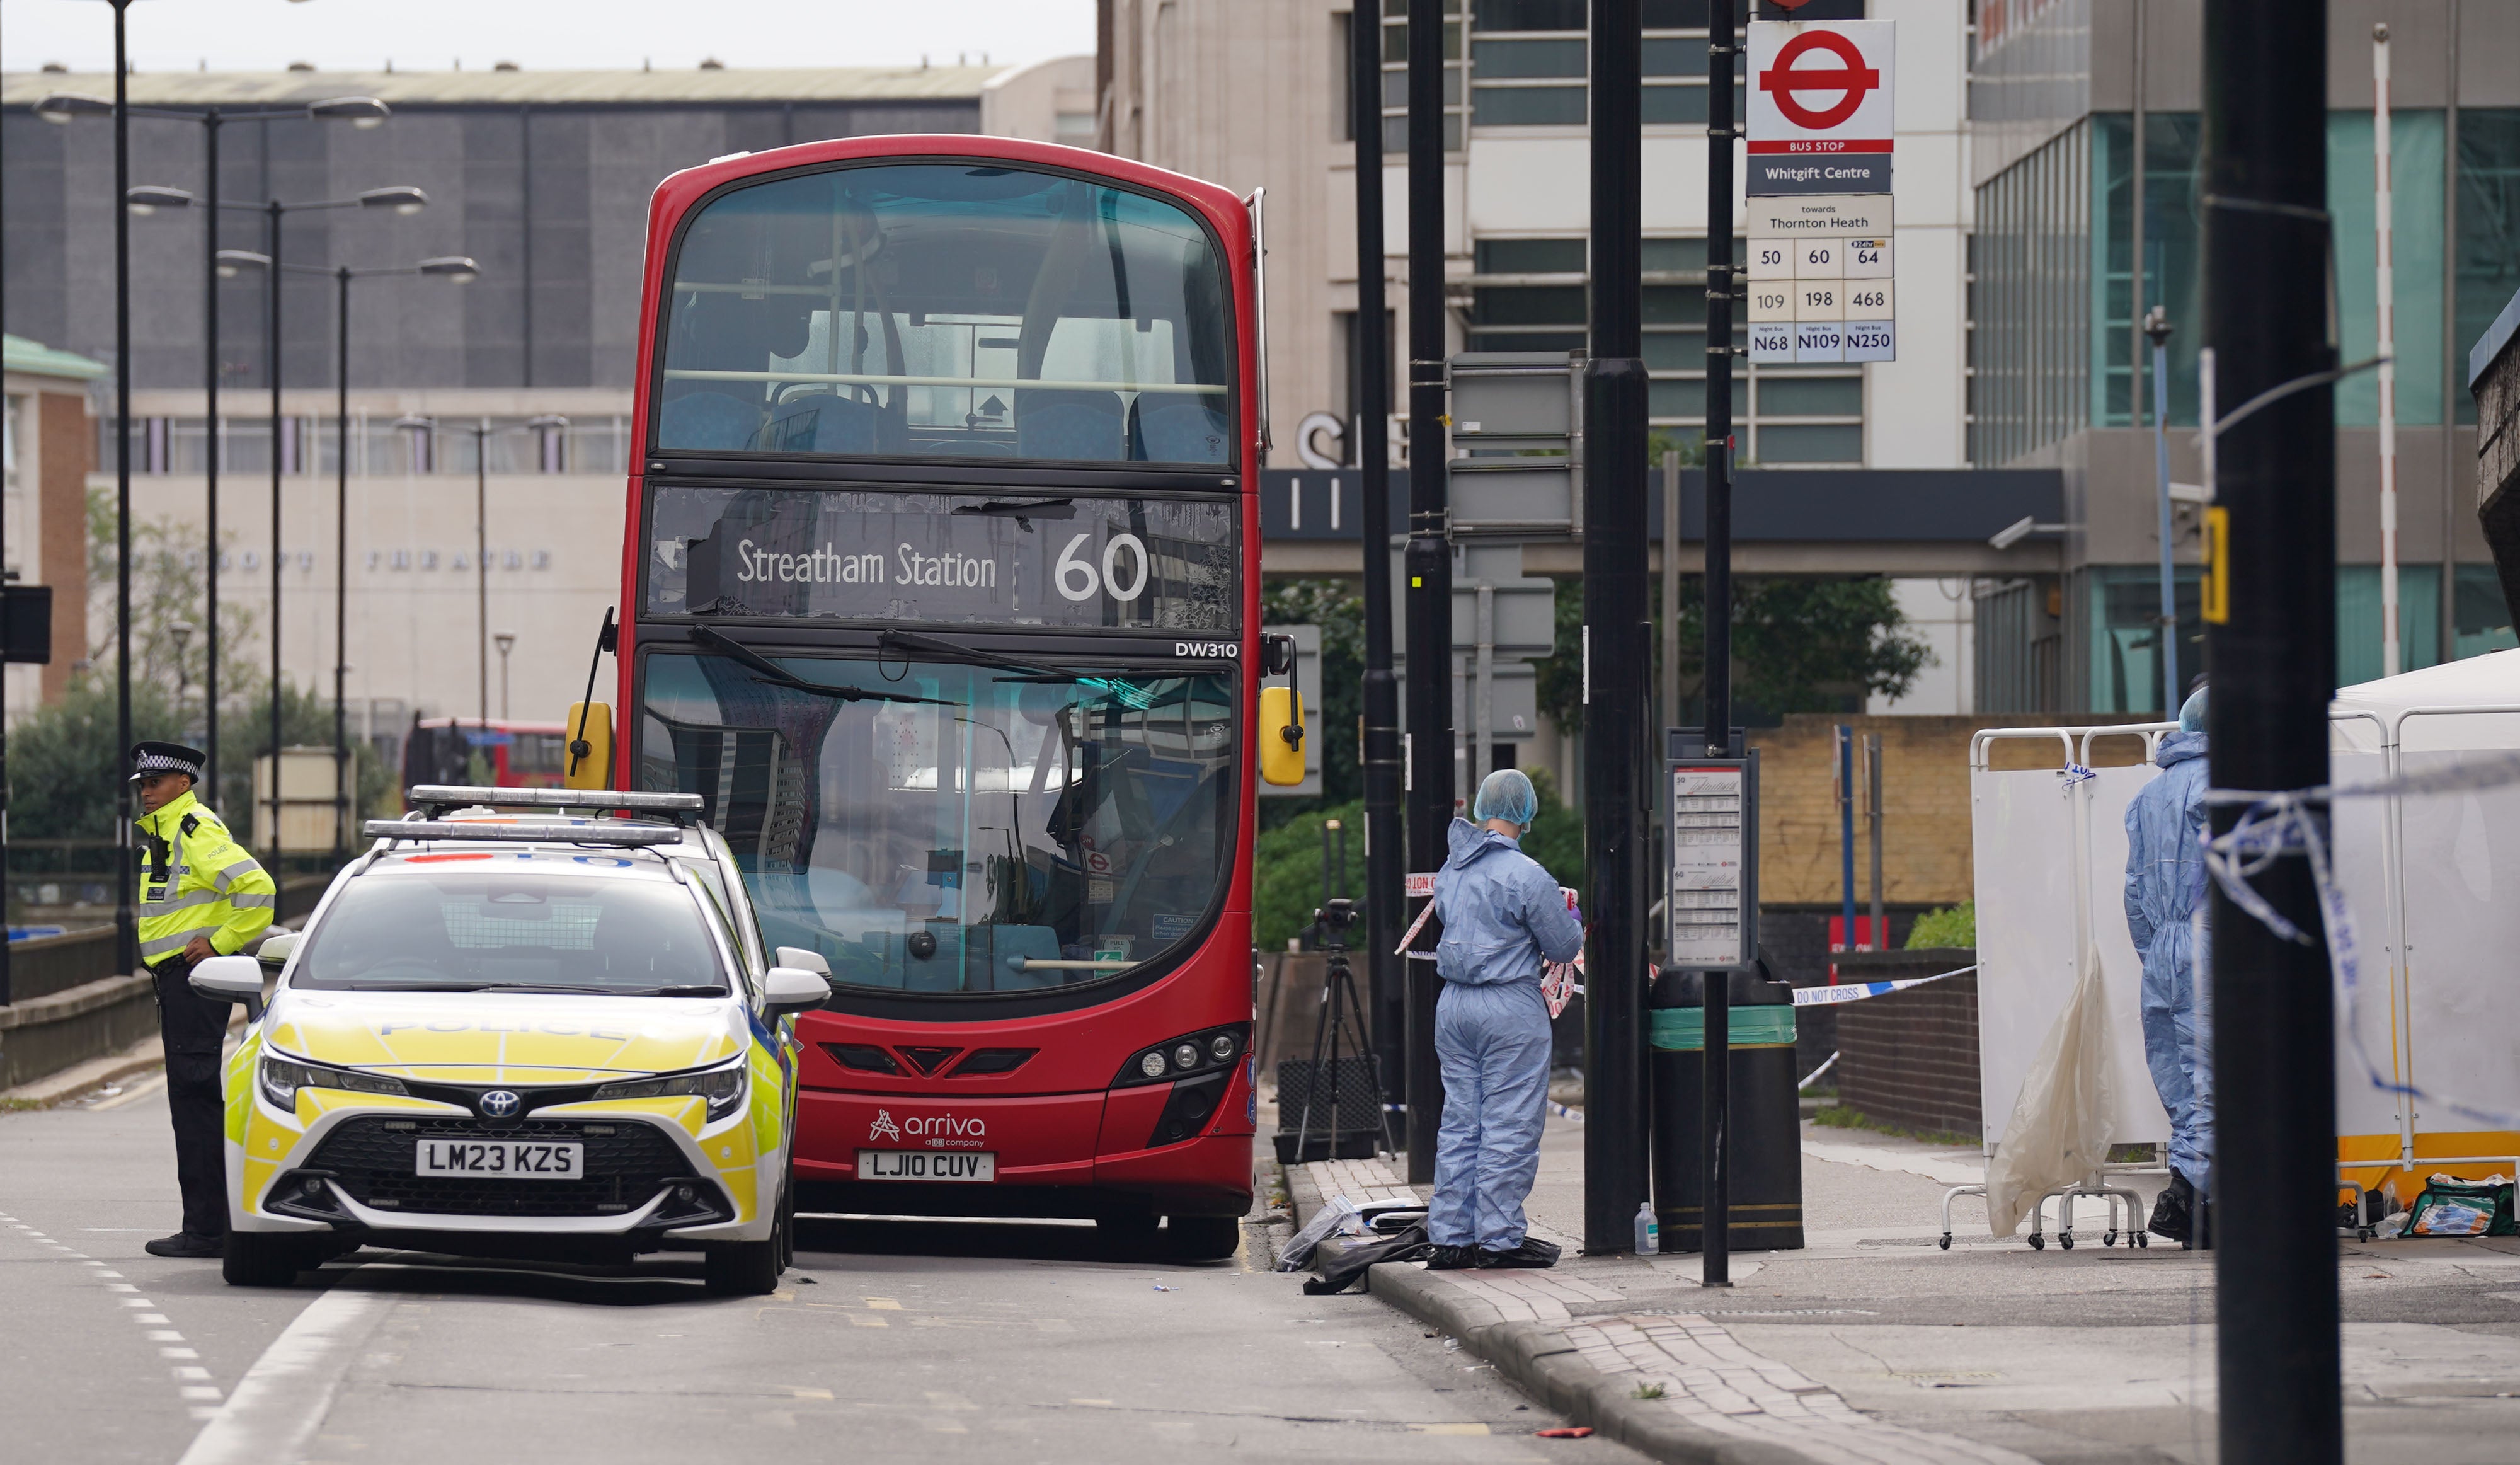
{"x": 430, "y": 796}
{"x": 524, "y": 833}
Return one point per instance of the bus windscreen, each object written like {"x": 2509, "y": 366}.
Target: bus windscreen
{"x": 938, "y": 827}
{"x": 948, "y": 309}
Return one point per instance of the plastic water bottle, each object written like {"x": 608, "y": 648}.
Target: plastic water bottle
{"x": 1649, "y": 1230}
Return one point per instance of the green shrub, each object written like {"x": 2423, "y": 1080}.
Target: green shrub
{"x": 1950, "y": 925}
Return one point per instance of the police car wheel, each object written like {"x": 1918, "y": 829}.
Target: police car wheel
{"x": 744, "y": 1268}
{"x": 254, "y": 1259}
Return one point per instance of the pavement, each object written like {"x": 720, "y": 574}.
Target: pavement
{"x": 903, "y": 1340}
{"x": 1873, "y": 1345}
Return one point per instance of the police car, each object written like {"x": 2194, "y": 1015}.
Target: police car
{"x": 546, "y": 1034}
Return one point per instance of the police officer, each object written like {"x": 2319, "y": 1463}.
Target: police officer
{"x": 201, "y": 895}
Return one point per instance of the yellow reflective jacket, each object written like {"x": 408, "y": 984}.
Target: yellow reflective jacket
{"x": 197, "y": 879}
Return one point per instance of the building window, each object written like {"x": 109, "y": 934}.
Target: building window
{"x": 2484, "y": 622}
{"x": 1529, "y": 295}
{"x": 1395, "y": 78}
{"x": 1530, "y": 68}
{"x": 2030, "y": 306}
{"x": 2415, "y": 179}
{"x": 2488, "y": 228}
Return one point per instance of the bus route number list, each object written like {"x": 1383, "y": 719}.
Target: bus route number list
{"x": 1821, "y": 300}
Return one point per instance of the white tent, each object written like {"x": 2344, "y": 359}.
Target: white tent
{"x": 2434, "y": 884}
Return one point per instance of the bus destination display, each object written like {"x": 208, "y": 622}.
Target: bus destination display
{"x": 1050, "y": 561}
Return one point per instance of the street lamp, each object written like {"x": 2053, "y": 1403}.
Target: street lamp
{"x": 507, "y": 643}
{"x": 549, "y": 422}
{"x": 63, "y": 107}
{"x": 401, "y": 200}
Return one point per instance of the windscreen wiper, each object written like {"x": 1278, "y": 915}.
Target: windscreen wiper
{"x": 764, "y": 669}
{"x": 955, "y": 651}
{"x": 1021, "y": 508}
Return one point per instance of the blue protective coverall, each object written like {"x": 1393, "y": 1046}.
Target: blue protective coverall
{"x": 2165, "y": 886}
{"x": 1501, "y": 915}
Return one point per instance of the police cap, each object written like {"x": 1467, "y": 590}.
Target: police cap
{"x": 148, "y": 759}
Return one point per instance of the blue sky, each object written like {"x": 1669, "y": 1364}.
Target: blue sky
{"x": 264, "y": 35}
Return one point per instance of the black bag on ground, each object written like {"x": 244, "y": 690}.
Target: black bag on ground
{"x": 1348, "y": 1267}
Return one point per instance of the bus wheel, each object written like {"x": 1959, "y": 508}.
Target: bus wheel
{"x": 1205, "y": 1238}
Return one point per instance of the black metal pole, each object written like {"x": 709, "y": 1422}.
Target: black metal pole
{"x": 342, "y": 576}
{"x": 126, "y": 928}
{"x": 1619, "y": 659}
{"x": 1428, "y": 560}
{"x": 211, "y": 644}
{"x": 1715, "y": 1263}
{"x": 1386, "y": 855}
{"x": 6, "y": 610}
{"x": 273, "y": 274}
{"x": 2273, "y": 650}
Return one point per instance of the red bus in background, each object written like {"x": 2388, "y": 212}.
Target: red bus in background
{"x": 514, "y": 755}
{"x": 942, "y": 590}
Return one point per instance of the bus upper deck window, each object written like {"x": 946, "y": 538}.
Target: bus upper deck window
{"x": 948, "y": 311}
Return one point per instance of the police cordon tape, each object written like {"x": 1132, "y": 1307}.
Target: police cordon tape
{"x": 2273, "y": 825}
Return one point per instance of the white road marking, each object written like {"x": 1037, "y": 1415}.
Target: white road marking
{"x": 275, "y": 1409}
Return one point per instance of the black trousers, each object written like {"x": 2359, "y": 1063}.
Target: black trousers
{"x": 193, "y": 1026}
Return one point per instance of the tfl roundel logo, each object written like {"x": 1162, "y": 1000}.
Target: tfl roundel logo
{"x": 500, "y": 1104}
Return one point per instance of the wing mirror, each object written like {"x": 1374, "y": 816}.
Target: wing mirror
{"x": 804, "y": 959}
{"x": 231, "y": 979}
{"x": 790, "y": 989}
{"x": 276, "y": 948}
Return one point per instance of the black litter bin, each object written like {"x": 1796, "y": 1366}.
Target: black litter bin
{"x": 1766, "y": 1187}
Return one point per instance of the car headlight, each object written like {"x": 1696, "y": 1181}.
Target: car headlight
{"x": 283, "y": 1078}
{"x": 723, "y": 1086}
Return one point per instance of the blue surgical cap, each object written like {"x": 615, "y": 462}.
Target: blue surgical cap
{"x": 2191, "y": 717}
{"x": 1508, "y": 795}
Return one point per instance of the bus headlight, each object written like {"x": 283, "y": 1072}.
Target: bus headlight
{"x": 1187, "y": 1056}
{"x": 723, "y": 1086}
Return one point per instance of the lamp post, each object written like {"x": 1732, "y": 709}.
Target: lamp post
{"x": 63, "y": 107}
{"x": 507, "y": 643}
{"x": 226, "y": 264}
{"x": 481, "y": 430}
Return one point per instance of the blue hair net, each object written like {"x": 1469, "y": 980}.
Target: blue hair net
{"x": 1508, "y": 795}
{"x": 2191, "y": 717}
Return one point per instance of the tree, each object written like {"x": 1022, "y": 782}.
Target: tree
{"x": 66, "y": 770}
{"x": 168, "y": 590}
{"x": 1799, "y": 644}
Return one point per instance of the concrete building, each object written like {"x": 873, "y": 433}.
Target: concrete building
{"x": 2065, "y": 98}
{"x": 543, "y": 177}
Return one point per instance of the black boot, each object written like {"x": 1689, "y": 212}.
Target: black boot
{"x": 1453, "y": 1259}
{"x": 2172, "y": 1211}
{"x": 1533, "y": 1252}
{"x": 2201, "y": 1227}
{"x": 188, "y": 1246}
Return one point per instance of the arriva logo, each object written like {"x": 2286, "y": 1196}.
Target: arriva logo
{"x": 884, "y": 1128}
{"x": 945, "y": 1125}
{"x": 1229, "y": 649}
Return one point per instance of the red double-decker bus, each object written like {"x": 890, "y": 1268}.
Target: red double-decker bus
{"x": 942, "y": 589}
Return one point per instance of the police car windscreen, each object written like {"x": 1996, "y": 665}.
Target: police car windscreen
{"x": 479, "y": 930}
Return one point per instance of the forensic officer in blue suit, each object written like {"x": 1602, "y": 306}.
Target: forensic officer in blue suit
{"x": 1503, "y": 916}
{"x": 2165, "y": 888}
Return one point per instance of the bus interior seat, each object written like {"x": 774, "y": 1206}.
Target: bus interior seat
{"x": 707, "y": 420}
{"x": 1168, "y": 429}
{"x": 1076, "y": 425}
{"x": 824, "y": 423}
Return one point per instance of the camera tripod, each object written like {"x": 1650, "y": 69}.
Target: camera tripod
{"x": 1342, "y": 1019}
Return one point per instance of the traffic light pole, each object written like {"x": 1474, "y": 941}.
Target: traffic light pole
{"x": 1618, "y": 660}
{"x": 1429, "y": 561}
{"x": 2271, "y": 639}
{"x": 1387, "y": 980}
